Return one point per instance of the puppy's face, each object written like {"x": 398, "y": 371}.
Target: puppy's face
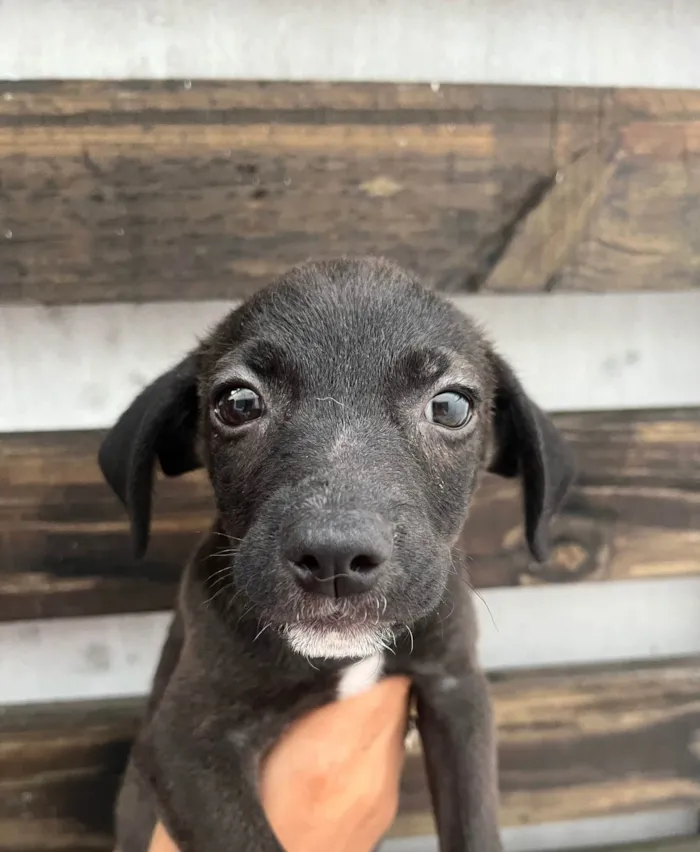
{"x": 344, "y": 415}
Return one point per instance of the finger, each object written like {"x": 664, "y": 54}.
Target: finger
{"x": 161, "y": 842}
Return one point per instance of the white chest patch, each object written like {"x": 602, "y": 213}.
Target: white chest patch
{"x": 360, "y": 676}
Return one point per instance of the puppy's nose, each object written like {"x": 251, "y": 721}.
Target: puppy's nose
{"x": 338, "y": 554}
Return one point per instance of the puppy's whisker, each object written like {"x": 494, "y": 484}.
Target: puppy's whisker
{"x": 306, "y": 656}
{"x": 488, "y": 608}
{"x": 233, "y": 599}
{"x": 262, "y": 630}
{"x": 444, "y": 618}
{"x": 221, "y": 583}
{"x": 385, "y": 644}
{"x": 244, "y": 613}
{"x": 220, "y": 554}
{"x": 226, "y": 588}
{"x": 218, "y": 592}
{"x": 472, "y": 588}
{"x": 226, "y": 535}
{"x": 226, "y": 570}
{"x": 410, "y": 633}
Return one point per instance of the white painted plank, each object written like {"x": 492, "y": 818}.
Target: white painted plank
{"x": 111, "y": 656}
{"x": 582, "y": 623}
{"x": 578, "y": 834}
{"x": 78, "y": 367}
{"x": 93, "y": 657}
{"x": 597, "y": 43}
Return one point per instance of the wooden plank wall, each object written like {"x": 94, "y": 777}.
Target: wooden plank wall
{"x": 633, "y": 513}
{"x": 152, "y": 192}
{"x": 572, "y": 745}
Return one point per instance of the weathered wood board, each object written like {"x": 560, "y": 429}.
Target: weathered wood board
{"x": 192, "y": 190}
{"x": 65, "y": 549}
{"x": 573, "y": 744}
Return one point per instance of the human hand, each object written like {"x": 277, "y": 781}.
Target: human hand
{"x": 332, "y": 780}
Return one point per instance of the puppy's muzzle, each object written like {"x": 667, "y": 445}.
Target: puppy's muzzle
{"x": 338, "y": 554}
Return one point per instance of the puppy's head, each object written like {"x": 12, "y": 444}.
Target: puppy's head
{"x": 343, "y": 415}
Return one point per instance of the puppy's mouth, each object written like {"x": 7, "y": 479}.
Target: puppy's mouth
{"x": 338, "y": 629}
{"x": 338, "y": 640}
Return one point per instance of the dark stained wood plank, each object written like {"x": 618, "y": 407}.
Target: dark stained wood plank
{"x": 60, "y": 770}
{"x": 135, "y": 191}
{"x": 65, "y": 549}
{"x": 64, "y": 538}
{"x": 573, "y": 744}
{"x": 547, "y": 236}
{"x": 583, "y": 744}
{"x": 85, "y": 101}
{"x": 633, "y": 513}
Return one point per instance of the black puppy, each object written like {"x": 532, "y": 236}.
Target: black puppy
{"x": 344, "y": 415}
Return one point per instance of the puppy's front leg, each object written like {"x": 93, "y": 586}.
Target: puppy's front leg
{"x": 456, "y": 727}
{"x": 205, "y": 781}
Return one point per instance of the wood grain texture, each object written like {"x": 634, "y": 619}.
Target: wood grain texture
{"x": 128, "y": 191}
{"x": 588, "y": 743}
{"x": 65, "y": 549}
{"x": 573, "y": 744}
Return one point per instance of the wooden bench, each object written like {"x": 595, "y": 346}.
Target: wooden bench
{"x": 135, "y": 192}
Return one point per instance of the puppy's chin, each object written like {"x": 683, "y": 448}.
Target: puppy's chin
{"x": 347, "y": 642}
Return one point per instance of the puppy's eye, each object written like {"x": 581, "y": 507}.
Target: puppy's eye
{"x": 449, "y": 409}
{"x": 238, "y": 406}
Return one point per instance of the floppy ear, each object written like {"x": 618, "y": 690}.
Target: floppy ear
{"x": 529, "y": 445}
{"x": 160, "y": 424}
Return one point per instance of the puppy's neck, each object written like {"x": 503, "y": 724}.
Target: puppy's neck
{"x": 358, "y": 677}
